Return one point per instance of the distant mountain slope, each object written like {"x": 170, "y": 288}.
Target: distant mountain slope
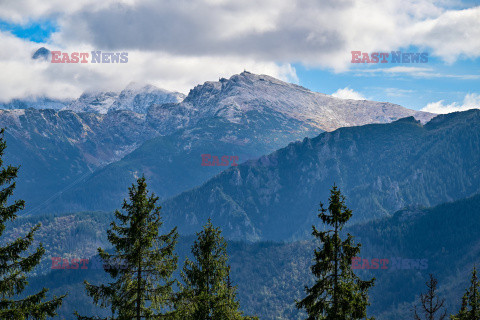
{"x": 381, "y": 168}
{"x": 139, "y": 98}
{"x": 173, "y": 163}
{"x": 247, "y": 115}
{"x": 134, "y": 97}
{"x": 230, "y": 98}
{"x": 36, "y": 103}
{"x": 56, "y": 149}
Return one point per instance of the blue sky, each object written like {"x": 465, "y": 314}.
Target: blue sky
{"x": 176, "y": 47}
{"x": 35, "y": 31}
{"x": 409, "y": 90}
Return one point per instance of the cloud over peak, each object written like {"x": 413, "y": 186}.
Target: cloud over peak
{"x": 471, "y": 101}
{"x": 347, "y": 93}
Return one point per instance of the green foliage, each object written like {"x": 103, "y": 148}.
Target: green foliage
{"x": 16, "y": 260}
{"x": 337, "y": 294}
{"x": 470, "y": 309}
{"x": 207, "y": 292}
{"x": 144, "y": 289}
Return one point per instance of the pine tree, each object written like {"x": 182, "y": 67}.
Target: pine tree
{"x": 470, "y": 309}
{"x": 15, "y": 262}
{"x": 143, "y": 289}
{"x": 463, "y": 312}
{"x": 207, "y": 293}
{"x": 431, "y": 304}
{"x": 338, "y": 294}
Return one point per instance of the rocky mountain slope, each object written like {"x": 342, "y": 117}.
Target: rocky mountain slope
{"x": 246, "y": 91}
{"x": 58, "y": 149}
{"x": 134, "y": 97}
{"x": 173, "y": 163}
{"x": 380, "y": 167}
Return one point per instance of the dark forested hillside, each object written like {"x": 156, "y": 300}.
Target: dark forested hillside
{"x": 271, "y": 275}
{"x": 381, "y": 168}
{"x": 172, "y": 163}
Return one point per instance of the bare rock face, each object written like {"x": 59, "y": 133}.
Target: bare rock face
{"x": 246, "y": 92}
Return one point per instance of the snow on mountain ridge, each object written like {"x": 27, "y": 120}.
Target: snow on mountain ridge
{"x": 249, "y": 92}
{"x": 93, "y": 101}
{"x": 135, "y": 97}
{"x": 139, "y": 98}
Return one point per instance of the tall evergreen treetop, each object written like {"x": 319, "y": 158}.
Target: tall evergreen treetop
{"x": 16, "y": 261}
{"x": 144, "y": 288}
{"x": 337, "y": 294}
{"x": 207, "y": 293}
{"x": 470, "y": 309}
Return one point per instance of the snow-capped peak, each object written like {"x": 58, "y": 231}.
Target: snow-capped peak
{"x": 247, "y": 92}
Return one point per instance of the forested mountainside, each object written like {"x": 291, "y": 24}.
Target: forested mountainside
{"x": 271, "y": 275}
{"x": 380, "y": 167}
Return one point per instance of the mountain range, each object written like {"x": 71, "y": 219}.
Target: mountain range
{"x": 135, "y": 97}
{"x": 85, "y": 160}
{"x": 381, "y": 168}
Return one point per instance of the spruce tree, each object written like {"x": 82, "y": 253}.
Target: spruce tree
{"x": 431, "y": 304}
{"x": 143, "y": 289}
{"x": 207, "y": 293}
{"x": 16, "y": 260}
{"x": 463, "y": 312}
{"x": 337, "y": 294}
{"x": 470, "y": 309}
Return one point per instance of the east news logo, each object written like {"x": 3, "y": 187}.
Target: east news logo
{"x": 96, "y": 57}
{"x": 392, "y": 264}
{"x": 209, "y": 160}
{"x": 396, "y": 57}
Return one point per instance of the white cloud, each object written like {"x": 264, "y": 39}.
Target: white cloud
{"x": 418, "y": 72}
{"x": 347, "y": 93}
{"x": 22, "y": 11}
{"x": 177, "y": 44}
{"x": 314, "y": 32}
{"x": 21, "y": 76}
{"x": 471, "y": 101}
{"x": 452, "y": 34}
